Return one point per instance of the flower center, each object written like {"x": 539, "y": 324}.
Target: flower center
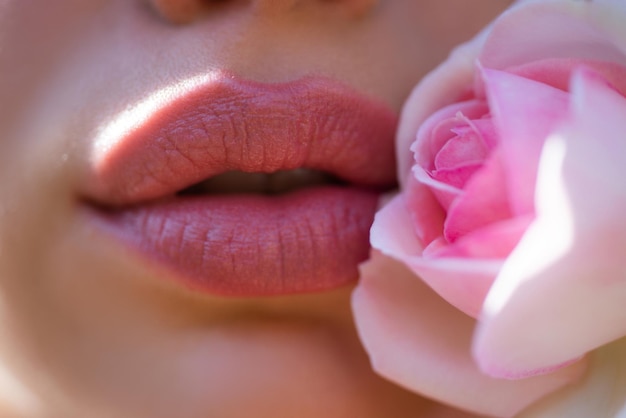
{"x": 465, "y": 151}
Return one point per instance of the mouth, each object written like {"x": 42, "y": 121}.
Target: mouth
{"x": 277, "y": 183}
{"x": 245, "y": 189}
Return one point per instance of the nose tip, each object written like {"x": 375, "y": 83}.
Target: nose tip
{"x": 185, "y": 11}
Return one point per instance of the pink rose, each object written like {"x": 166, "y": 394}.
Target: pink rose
{"x": 513, "y": 212}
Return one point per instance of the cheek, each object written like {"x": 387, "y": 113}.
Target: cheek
{"x": 34, "y": 40}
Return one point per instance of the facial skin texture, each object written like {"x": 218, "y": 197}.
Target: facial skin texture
{"x": 85, "y": 331}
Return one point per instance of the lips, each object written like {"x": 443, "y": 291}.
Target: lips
{"x": 227, "y": 187}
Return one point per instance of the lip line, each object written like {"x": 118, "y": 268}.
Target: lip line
{"x": 309, "y": 241}
{"x": 227, "y": 123}
{"x": 305, "y": 241}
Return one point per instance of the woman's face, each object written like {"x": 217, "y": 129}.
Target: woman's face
{"x": 120, "y": 297}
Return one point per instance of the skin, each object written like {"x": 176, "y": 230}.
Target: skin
{"x": 87, "y": 332}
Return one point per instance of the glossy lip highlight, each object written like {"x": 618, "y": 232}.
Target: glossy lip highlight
{"x": 248, "y": 245}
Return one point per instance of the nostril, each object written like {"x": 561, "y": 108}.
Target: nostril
{"x": 186, "y": 11}
{"x": 358, "y": 8}
{"x": 354, "y": 8}
{"x": 177, "y": 11}
{"x": 349, "y": 8}
{"x": 182, "y": 11}
{"x": 273, "y": 6}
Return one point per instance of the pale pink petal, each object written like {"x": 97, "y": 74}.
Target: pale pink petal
{"x": 562, "y": 291}
{"x": 392, "y": 231}
{"x": 483, "y": 201}
{"x": 494, "y": 241}
{"x": 463, "y": 272}
{"x": 557, "y": 72}
{"x": 431, "y": 136}
{"x": 566, "y": 29}
{"x": 425, "y": 213}
{"x": 457, "y": 176}
{"x": 466, "y": 146}
{"x": 462, "y": 282}
{"x": 600, "y": 35}
{"x": 525, "y": 112}
{"x": 422, "y": 343}
{"x": 447, "y": 84}
{"x": 444, "y": 193}
{"x": 486, "y": 131}
{"x": 600, "y": 394}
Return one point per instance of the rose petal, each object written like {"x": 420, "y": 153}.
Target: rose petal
{"x": 425, "y": 212}
{"x": 494, "y": 241}
{"x": 562, "y": 292}
{"x": 557, "y": 72}
{"x": 420, "y": 342}
{"x": 447, "y": 84}
{"x": 600, "y": 394}
{"x": 456, "y": 177}
{"x": 429, "y": 139}
{"x": 444, "y": 193}
{"x": 483, "y": 201}
{"x": 392, "y": 231}
{"x": 525, "y": 112}
{"x": 574, "y": 29}
{"x": 467, "y": 146}
{"x": 462, "y": 282}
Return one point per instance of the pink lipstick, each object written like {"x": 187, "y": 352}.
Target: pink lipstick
{"x": 177, "y": 188}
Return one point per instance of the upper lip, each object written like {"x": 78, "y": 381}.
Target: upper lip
{"x": 234, "y": 124}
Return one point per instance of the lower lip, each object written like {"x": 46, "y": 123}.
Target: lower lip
{"x": 306, "y": 241}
